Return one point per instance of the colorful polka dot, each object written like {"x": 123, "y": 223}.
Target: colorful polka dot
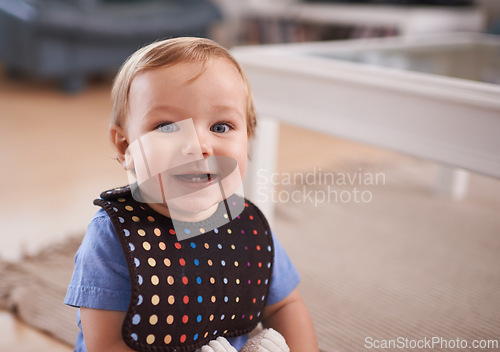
{"x": 207, "y": 246}
{"x": 185, "y": 319}
{"x": 182, "y": 262}
{"x": 171, "y": 299}
{"x": 198, "y": 318}
{"x": 135, "y": 219}
{"x": 183, "y": 338}
{"x": 170, "y": 319}
{"x": 136, "y": 319}
{"x": 170, "y": 280}
{"x": 141, "y": 232}
{"x": 177, "y": 245}
{"x": 193, "y": 245}
{"x": 151, "y": 219}
{"x": 150, "y": 339}
{"x": 152, "y": 262}
{"x": 155, "y": 280}
{"x": 162, "y": 246}
{"x": 129, "y": 208}
{"x": 216, "y": 230}
{"x": 146, "y": 246}
{"x": 185, "y": 299}
{"x": 167, "y": 339}
{"x": 167, "y": 262}
{"x": 153, "y": 319}
{"x": 155, "y": 300}
{"x": 157, "y": 232}
{"x": 202, "y": 230}
{"x": 171, "y": 231}
{"x": 185, "y": 280}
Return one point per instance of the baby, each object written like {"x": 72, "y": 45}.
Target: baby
{"x": 179, "y": 260}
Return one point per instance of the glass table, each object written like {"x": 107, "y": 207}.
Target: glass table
{"x": 434, "y": 97}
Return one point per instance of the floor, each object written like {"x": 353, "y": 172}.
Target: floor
{"x": 56, "y": 159}
{"x": 16, "y": 336}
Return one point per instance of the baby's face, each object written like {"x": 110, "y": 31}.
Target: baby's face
{"x": 192, "y": 132}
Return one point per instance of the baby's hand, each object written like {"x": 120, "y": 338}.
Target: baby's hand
{"x": 268, "y": 340}
{"x": 218, "y": 345}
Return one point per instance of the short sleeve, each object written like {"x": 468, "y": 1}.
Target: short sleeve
{"x": 100, "y": 277}
{"x": 285, "y": 277}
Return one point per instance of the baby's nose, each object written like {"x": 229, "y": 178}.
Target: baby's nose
{"x": 196, "y": 143}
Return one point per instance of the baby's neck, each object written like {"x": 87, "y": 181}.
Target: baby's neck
{"x": 183, "y": 216}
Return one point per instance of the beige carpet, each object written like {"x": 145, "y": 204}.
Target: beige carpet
{"x": 408, "y": 265}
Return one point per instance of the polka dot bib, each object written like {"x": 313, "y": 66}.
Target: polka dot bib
{"x": 186, "y": 293}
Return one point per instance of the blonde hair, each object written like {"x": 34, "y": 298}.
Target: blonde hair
{"x": 166, "y": 53}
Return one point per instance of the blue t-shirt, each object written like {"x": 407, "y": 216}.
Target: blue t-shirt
{"x": 101, "y": 278}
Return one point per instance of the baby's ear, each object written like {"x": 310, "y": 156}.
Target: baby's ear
{"x": 120, "y": 142}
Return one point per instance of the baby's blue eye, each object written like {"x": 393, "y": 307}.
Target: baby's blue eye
{"x": 220, "y": 128}
{"x": 168, "y": 127}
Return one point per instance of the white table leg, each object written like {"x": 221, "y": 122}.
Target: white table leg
{"x": 452, "y": 182}
{"x": 258, "y": 185}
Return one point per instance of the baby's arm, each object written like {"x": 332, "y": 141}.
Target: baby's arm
{"x": 102, "y": 330}
{"x": 291, "y": 318}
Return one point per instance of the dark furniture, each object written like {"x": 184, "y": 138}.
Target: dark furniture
{"x": 71, "y": 39}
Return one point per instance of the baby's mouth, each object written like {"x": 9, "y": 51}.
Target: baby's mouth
{"x": 196, "y": 177}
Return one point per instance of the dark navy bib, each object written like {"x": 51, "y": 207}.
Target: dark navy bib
{"x": 186, "y": 293}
